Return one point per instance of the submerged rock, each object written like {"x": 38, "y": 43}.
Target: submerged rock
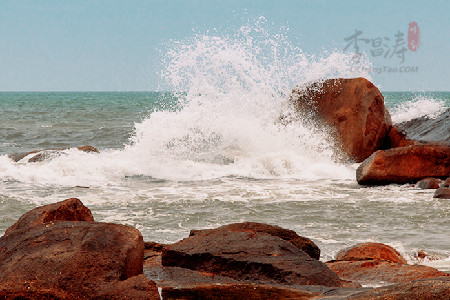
{"x": 41, "y": 155}
{"x": 246, "y": 254}
{"x": 58, "y": 250}
{"x": 405, "y": 165}
{"x": 429, "y": 183}
{"x": 442, "y": 193}
{"x": 354, "y": 107}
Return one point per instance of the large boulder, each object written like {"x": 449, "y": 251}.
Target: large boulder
{"x": 354, "y": 107}
{"x": 291, "y": 236}
{"x": 248, "y": 255}
{"x": 47, "y": 255}
{"x": 364, "y": 251}
{"x": 405, "y": 165}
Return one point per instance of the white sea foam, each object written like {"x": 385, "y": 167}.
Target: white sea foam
{"x": 418, "y": 107}
{"x": 232, "y": 89}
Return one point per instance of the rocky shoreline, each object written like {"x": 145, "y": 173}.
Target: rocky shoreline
{"x": 58, "y": 251}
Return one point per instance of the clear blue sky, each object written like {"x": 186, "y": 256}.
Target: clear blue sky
{"x": 57, "y": 45}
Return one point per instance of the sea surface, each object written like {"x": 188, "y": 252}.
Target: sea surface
{"x": 214, "y": 152}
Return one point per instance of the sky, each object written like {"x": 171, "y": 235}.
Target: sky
{"x": 116, "y": 45}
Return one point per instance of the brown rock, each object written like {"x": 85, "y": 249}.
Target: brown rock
{"x": 373, "y": 272}
{"x": 291, "y": 236}
{"x": 355, "y": 107}
{"x": 434, "y": 288}
{"x": 429, "y": 183}
{"x": 85, "y": 259}
{"x": 236, "y": 291}
{"x": 367, "y": 251}
{"x": 41, "y": 155}
{"x": 442, "y": 193}
{"x": 405, "y": 165}
{"x": 67, "y": 210}
{"x": 247, "y": 255}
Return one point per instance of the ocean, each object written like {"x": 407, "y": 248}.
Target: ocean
{"x": 214, "y": 153}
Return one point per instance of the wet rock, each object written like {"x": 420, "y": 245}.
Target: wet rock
{"x": 405, "y": 165}
{"x": 354, "y": 107}
{"x": 80, "y": 258}
{"x": 67, "y": 210}
{"x": 442, "y": 193}
{"x": 375, "y": 272}
{"x": 365, "y": 251}
{"x": 236, "y": 291}
{"x": 182, "y": 283}
{"x": 435, "y": 288}
{"x": 429, "y": 183}
{"x": 291, "y": 236}
{"x": 41, "y": 155}
{"x": 248, "y": 255}
{"x": 428, "y": 129}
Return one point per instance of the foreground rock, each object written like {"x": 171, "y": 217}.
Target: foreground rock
{"x": 46, "y": 255}
{"x": 405, "y": 165}
{"x": 67, "y": 210}
{"x": 245, "y": 254}
{"x": 376, "y": 263}
{"x": 182, "y": 283}
{"x": 41, "y": 155}
{"x": 354, "y": 107}
{"x": 434, "y": 288}
{"x": 375, "y": 272}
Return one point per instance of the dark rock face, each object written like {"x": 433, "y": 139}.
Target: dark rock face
{"x": 427, "y": 129}
{"x": 248, "y": 255}
{"x": 41, "y": 155}
{"x": 442, "y": 193}
{"x": 300, "y": 242}
{"x": 47, "y": 256}
{"x": 397, "y": 138}
{"x": 67, "y": 210}
{"x": 435, "y": 288}
{"x": 365, "y": 251}
{"x": 354, "y": 107}
{"x": 405, "y": 165}
{"x": 430, "y": 183}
